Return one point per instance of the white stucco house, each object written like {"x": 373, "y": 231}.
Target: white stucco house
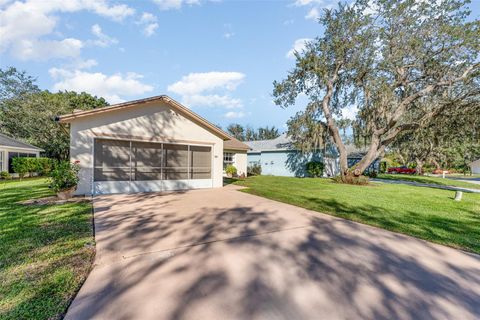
{"x": 475, "y": 166}
{"x": 148, "y": 145}
{"x": 11, "y": 148}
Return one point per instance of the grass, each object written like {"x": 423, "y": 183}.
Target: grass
{"x": 431, "y": 180}
{"x": 426, "y": 213}
{"x": 45, "y": 251}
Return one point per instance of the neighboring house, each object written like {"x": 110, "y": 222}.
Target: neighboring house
{"x": 475, "y": 166}
{"x": 147, "y": 145}
{"x": 12, "y": 148}
{"x": 278, "y": 157}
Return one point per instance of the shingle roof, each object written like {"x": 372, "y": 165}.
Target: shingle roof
{"x": 14, "y": 143}
{"x": 285, "y": 143}
{"x": 280, "y": 143}
{"x": 234, "y": 144}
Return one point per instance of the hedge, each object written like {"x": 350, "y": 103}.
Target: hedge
{"x": 24, "y": 165}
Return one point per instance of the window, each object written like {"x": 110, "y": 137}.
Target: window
{"x": 1, "y": 160}
{"x": 228, "y": 158}
{"x": 117, "y": 160}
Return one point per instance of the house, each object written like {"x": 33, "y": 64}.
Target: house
{"x": 12, "y": 148}
{"x": 147, "y": 145}
{"x": 235, "y": 153}
{"x": 475, "y": 166}
{"x": 278, "y": 157}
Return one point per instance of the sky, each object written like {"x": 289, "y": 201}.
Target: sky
{"x": 217, "y": 57}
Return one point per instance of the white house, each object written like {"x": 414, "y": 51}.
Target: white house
{"x": 146, "y": 145}
{"x": 475, "y": 166}
{"x": 11, "y": 148}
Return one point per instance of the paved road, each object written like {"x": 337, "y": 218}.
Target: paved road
{"x": 224, "y": 254}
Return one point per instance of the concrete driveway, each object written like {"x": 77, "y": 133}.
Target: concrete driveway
{"x": 224, "y": 254}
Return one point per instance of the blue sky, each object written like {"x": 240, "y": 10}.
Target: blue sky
{"x": 217, "y": 57}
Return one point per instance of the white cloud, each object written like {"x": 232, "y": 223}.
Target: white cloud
{"x": 195, "y": 83}
{"x": 209, "y": 89}
{"x": 212, "y": 100}
{"x": 46, "y": 49}
{"x": 150, "y": 29}
{"x": 234, "y": 115}
{"x": 174, "y": 4}
{"x": 298, "y": 46}
{"x": 228, "y": 35}
{"x": 112, "y": 87}
{"x": 102, "y": 40}
{"x": 313, "y": 14}
{"x": 23, "y": 25}
{"x": 85, "y": 64}
{"x": 149, "y": 23}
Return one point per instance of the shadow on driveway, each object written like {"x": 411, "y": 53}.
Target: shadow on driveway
{"x": 223, "y": 254}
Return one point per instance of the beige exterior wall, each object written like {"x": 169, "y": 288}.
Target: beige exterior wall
{"x": 155, "y": 121}
{"x": 5, "y": 150}
{"x": 240, "y": 162}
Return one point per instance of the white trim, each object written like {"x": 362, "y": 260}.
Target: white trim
{"x": 110, "y": 187}
{"x": 4, "y": 147}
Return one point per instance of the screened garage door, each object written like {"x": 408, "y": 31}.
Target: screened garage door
{"x": 122, "y": 166}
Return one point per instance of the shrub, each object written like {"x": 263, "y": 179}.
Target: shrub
{"x": 351, "y": 179}
{"x": 231, "y": 170}
{"x": 315, "y": 168}
{"x": 24, "y": 165}
{"x": 64, "y": 176}
{"x": 5, "y": 175}
{"x": 372, "y": 174}
{"x": 254, "y": 170}
{"x": 44, "y": 165}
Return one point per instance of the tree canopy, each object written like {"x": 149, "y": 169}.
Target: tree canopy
{"x": 249, "y": 134}
{"x": 29, "y": 114}
{"x": 385, "y": 58}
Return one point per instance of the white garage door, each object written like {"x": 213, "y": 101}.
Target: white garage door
{"x": 124, "y": 166}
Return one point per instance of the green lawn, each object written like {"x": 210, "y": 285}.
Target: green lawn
{"x": 431, "y": 180}
{"x": 426, "y": 213}
{"x": 45, "y": 251}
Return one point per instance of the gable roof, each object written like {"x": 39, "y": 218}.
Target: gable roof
{"x": 282, "y": 142}
{"x": 235, "y": 144}
{"x": 14, "y": 143}
{"x": 67, "y": 118}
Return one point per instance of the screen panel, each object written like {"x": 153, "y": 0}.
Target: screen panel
{"x": 176, "y": 162}
{"x": 200, "y": 162}
{"x": 147, "y": 159}
{"x": 112, "y": 160}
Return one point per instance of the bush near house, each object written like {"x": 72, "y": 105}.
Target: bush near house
{"x": 5, "y": 175}
{"x": 315, "y": 168}
{"x": 24, "y": 165}
{"x": 64, "y": 176}
{"x": 254, "y": 170}
{"x": 231, "y": 170}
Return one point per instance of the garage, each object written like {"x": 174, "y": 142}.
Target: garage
{"x": 148, "y": 145}
{"x": 125, "y": 166}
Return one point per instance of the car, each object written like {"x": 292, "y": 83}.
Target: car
{"x": 402, "y": 170}
{"x": 440, "y": 171}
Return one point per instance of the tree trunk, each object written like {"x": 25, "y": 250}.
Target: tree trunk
{"x": 436, "y": 164}
{"x": 366, "y": 161}
{"x": 419, "y": 168}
